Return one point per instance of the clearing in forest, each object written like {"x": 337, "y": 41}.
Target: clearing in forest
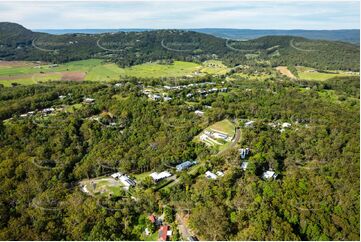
{"x": 105, "y": 186}
{"x": 284, "y": 71}
{"x": 308, "y": 73}
{"x": 218, "y": 136}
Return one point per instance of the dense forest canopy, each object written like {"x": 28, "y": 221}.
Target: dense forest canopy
{"x": 316, "y": 196}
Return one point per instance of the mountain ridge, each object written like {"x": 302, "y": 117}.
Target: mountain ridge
{"x": 131, "y": 48}
{"x": 346, "y": 35}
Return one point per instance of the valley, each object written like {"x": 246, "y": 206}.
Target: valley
{"x": 177, "y": 135}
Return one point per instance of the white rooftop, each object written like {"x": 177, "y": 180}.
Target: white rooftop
{"x": 244, "y": 165}
{"x": 220, "y": 173}
{"x": 286, "y": 125}
{"x": 158, "y": 176}
{"x": 210, "y": 175}
{"x": 269, "y": 174}
{"x": 116, "y": 175}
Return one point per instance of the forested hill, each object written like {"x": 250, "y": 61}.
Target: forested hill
{"x": 130, "y": 48}
{"x": 346, "y": 35}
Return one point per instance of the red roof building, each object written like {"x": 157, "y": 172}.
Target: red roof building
{"x": 162, "y": 236}
{"x": 152, "y": 218}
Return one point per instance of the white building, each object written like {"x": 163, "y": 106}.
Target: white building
{"x": 159, "y": 176}
{"x": 244, "y": 165}
{"x": 220, "y": 136}
{"x": 249, "y": 124}
{"x": 127, "y": 182}
{"x": 185, "y": 165}
{"x": 89, "y": 100}
{"x": 48, "y": 110}
{"x": 154, "y": 97}
{"x": 244, "y": 152}
{"x": 220, "y": 173}
{"x": 211, "y": 175}
{"x": 204, "y": 137}
{"x": 116, "y": 175}
{"x": 286, "y": 125}
{"x": 269, "y": 175}
{"x": 199, "y": 113}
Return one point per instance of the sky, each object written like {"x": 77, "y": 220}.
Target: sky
{"x": 182, "y": 14}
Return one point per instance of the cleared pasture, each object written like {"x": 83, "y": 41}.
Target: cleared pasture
{"x": 308, "y": 73}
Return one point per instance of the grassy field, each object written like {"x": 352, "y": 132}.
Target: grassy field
{"x": 140, "y": 177}
{"x": 250, "y": 76}
{"x": 90, "y": 70}
{"x": 312, "y": 74}
{"x": 103, "y": 186}
{"x": 214, "y": 67}
{"x": 27, "y": 73}
{"x": 226, "y": 127}
{"x": 177, "y": 69}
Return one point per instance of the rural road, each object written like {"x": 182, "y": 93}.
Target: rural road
{"x": 237, "y": 137}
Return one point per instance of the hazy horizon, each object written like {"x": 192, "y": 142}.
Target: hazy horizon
{"x": 260, "y": 15}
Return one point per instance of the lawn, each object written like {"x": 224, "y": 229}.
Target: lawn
{"x": 27, "y": 73}
{"x": 252, "y": 76}
{"x": 105, "y": 72}
{"x": 214, "y": 67}
{"x": 103, "y": 186}
{"x": 177, "y": 69}
{"x": 140, "y": 177}
{"x": 308, "y": 73}
{"x": 226, "y": 127}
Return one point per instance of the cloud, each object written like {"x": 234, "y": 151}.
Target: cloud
{"x": 183, "y": 14}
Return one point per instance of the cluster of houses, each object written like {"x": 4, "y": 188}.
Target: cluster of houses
{"x": 28, "y": 114}
{"x": 212, "y": 90}
{"x": 164, "y": 231}
{"x": 200, "y": 91}
{"x": 282, "y": 126}
{"x": 44, "y": 112}
{"x": 188, "y": 86}
{"x": 211, "y": 175}
{"x": 156, "y": 97}
{"x": 267, "y": 175}
{"x": 124, "y": 179}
